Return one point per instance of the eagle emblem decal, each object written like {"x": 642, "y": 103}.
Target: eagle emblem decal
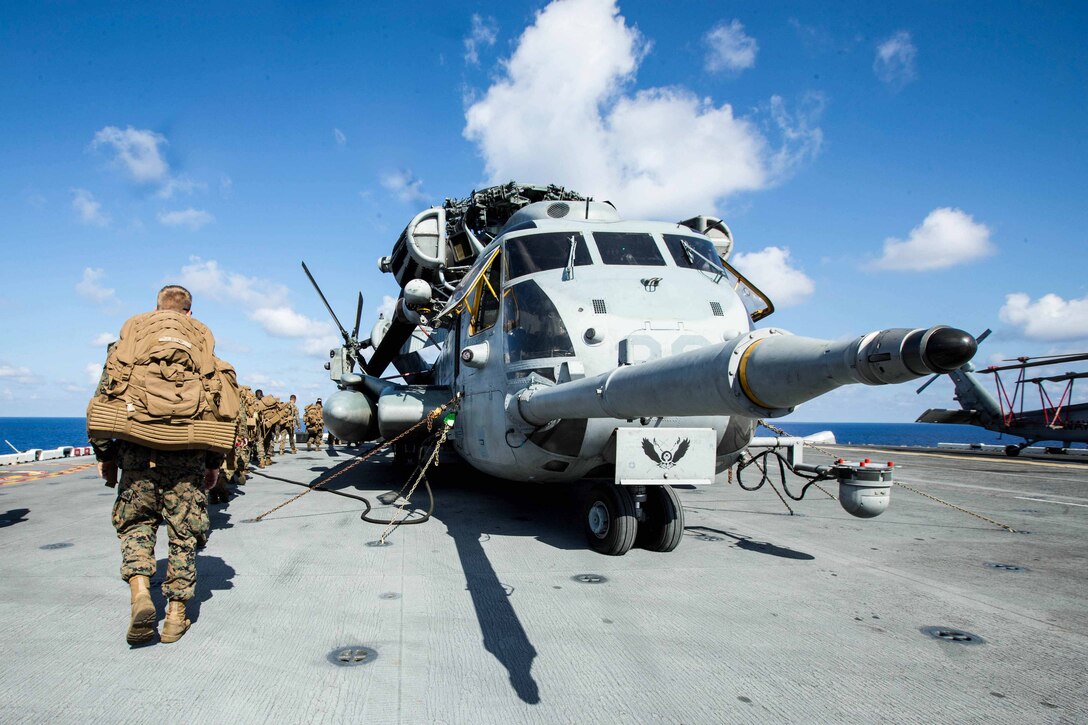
{"x": 665, "y": 458}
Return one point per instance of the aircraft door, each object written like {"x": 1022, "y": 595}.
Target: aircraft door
{"x": 481, "y": 375}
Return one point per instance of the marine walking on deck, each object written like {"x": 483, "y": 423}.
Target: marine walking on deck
{"x": 165, "y": 412}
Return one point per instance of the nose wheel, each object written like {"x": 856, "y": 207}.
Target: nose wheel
{"x": 610, "y": 520}
{"x": 663, "y": 525}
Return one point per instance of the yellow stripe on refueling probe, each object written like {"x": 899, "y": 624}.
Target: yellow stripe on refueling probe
{"x": 742, "y": 375}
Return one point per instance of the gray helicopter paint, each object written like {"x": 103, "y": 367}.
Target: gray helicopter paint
{"x": 649, "y": 324}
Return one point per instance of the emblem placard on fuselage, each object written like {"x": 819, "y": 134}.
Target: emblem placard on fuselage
{"x": 652, "y": 456}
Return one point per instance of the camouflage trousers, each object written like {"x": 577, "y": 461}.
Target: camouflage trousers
{"x": 266, "y": 443}
{"x": 161, "y": 486}
{"x": 286, "y": 437}
{"x": 235, "y": 463}
{"x": 313, "y": 437}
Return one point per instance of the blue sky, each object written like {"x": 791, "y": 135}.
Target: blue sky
{"x": 880, "y": 166}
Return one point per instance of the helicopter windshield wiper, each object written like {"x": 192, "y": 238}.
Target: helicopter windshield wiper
{"x": 691, "y": 253}
{"x": 568, "y": 272}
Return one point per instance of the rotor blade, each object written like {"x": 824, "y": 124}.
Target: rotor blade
{"x": 1039, "y": 361}
{"x": 1058, "y": 378}
{"x": 983, "y": 336}
{"x": 327, "y": 306}
{"x": 926, "y": 384}
{"x": 398, "y": 334}
{"x": 358, "y": 317}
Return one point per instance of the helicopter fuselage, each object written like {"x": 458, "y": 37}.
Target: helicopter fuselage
{"x": 565, "y": 300}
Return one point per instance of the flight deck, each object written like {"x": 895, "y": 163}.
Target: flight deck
{"x": 495, "y": 610}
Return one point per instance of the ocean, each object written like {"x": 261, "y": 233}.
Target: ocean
{"x": 25, "y": 433}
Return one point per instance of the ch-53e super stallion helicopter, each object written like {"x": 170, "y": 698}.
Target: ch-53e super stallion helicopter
{"x": 583, "y": 345}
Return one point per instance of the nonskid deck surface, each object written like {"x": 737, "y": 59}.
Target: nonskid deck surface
{"x": 486, "y": 613}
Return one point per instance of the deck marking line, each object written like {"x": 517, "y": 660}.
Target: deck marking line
{"x": 1047, "y": 500}
{"x": 24, "y": 476}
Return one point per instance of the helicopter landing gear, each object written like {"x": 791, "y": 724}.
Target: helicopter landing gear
{"x": 663, "y": 525}
{"x": 406, "y": 455}
{"x": 610, "y": 519}
{"x": 1012, "y": 451}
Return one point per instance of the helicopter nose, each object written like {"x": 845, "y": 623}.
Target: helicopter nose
{"x": 948, "y": 348}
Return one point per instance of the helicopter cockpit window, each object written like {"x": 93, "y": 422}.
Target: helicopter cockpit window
{"x": 533, "y": 326}
{"x": 628, "y": 248}
{"x": 693, "y": 253}
{"x": 538, "y": 252}
{"x": 485, "y": 298}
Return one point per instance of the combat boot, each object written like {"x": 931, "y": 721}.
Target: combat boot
{"x": 175, "y": 623}
{"x": 141, "y": 626}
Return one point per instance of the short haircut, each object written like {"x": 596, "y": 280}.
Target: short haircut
{"x": 174, "y": 297}
{"x": 293, "y": 398}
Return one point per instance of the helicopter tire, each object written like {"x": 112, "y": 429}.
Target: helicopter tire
{"x": 610, "y": 520}
{"x": 1012, "y": 451}
{"x": 663, "y": 528}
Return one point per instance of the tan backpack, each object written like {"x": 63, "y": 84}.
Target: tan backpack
{"x": 269, "y": 410}
{"x": 161, "y": 380}
{"x": 313, "y": 416}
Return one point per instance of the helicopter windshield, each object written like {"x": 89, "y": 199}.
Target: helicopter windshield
{"x": 634, "y": 248}
{"x": 538, "y": 252}
{"x": 693, "y": 252}
{"x": 533, "y": 326}
{"x": 699, "y": 253}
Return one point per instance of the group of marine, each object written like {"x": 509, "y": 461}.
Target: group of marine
{"x": 264, "y": 423}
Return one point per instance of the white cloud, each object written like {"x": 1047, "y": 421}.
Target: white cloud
{"x": 405, "y": 186}
{"x": 136, "y": 152}
{"x": 285, "y": 322}
{"x": 801, "y": 139}
{"x": 179, "y": 184}
{"x": 266, "y": 383}
{"x": 91, "y": 288}
{"x": 88, "y": 208}
{"x": 93, "y": 372}
{"x": 339, "y": 136}
{"x": 484, "y": 32}
{"x": 945, "y": 238}
{"x": 386, "y": 308}
{"x": 1048, "y": 318}
{"x": 207, "y": 278}
{"x": 729, "y": 47}
{"x": 264, "y": 301}
{"x": 894, "y": 61}
{"x": 34, "y": 199}
{"x": 559, "y": 113}
{"x": 320, "y": 346}
{"x": 192, "y": 218}
{"x": 21, "y": 375}
{"x": 770, "y": 270}
{"x": 102, "y": 339}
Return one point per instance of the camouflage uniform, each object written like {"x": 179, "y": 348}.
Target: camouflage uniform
{"x": 166, "y": 485}
{"x": 235, "y": 462}
{"x": 267, "y": 431}
{"x": 287, "y": 429}
{"x": 315, "y": 426}
{"x": 250, "y": 402}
